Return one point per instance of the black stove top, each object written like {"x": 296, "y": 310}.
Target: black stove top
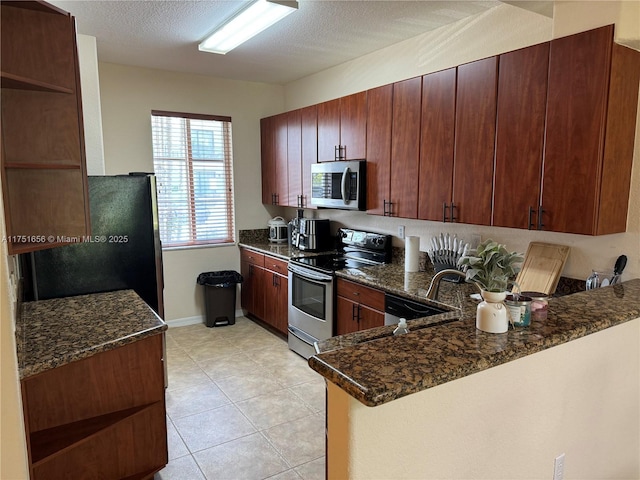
{"x": 331, "y": 262}
{"x": 357, "y": 249}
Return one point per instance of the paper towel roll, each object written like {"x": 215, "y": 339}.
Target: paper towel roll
{"x": 411, "y": 254}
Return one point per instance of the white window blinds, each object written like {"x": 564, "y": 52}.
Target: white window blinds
{"x": 193, "y": 164}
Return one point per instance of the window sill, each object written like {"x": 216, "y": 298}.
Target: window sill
{"x": 192, "y": 247}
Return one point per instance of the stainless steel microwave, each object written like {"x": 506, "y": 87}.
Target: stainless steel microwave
{"x": 339, "y": 185}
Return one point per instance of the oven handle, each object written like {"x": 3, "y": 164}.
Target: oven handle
{"x": 304, "y": 336}
{"x": 310, "y": 275}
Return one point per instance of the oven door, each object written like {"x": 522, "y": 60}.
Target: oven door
{"x": 310, "y": 305}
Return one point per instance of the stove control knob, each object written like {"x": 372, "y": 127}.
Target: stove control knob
{"x": 377, "y": 241}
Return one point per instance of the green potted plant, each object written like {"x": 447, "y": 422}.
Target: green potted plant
{"x": 492, "y": 267}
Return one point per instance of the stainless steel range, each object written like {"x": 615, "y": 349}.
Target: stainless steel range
{"x": 312, "y": 280}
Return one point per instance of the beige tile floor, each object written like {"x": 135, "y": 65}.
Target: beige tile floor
{"x": 241, "y": 406}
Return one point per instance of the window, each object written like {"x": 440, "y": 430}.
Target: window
{"x": 193, "y": 165}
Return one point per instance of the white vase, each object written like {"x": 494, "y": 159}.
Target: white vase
{"x": 491, "y": 315}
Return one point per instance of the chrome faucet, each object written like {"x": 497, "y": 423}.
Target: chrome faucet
{"x": 434, "y": 288}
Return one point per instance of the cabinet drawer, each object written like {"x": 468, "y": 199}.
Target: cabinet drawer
{"x": 359, "y": 293}
{"x": 275, "y": 265}
{"x": 252, "y": 257}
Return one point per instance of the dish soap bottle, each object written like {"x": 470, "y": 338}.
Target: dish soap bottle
{"x": 402, "y": 327}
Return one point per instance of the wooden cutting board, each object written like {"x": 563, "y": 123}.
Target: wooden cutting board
{"x": 542, "y": 267}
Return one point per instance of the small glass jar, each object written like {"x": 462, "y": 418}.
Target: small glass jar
{"x": 539, "y": 304}
{"x": 519, "y": 310}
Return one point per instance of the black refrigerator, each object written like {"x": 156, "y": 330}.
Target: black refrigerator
{"x": 123, "y": 251}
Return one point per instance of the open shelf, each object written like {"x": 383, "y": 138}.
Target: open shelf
{"x": 53, "y": 441}
{"x": 17, "y": 82}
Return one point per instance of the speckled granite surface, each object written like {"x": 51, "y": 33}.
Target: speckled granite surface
{"x": 261, "y": 244}
{"x": 375, "y": 367}
{"x": 52, "y": 333}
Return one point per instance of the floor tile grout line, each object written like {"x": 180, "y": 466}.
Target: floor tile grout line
{"x": 284, "y": 386}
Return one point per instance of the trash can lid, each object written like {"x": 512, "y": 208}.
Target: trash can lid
{"x": 223, "y": 278}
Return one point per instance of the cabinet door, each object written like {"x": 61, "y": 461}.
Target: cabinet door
{"x": 282, "y": 322}
{"x": 474, "y": 141}
{"x": 260, "y": 279}
{"x": 405, "y": 147}
{"x": 252, "y": 291}
{"x": 522, "y": 95}
{"x": 369, "y": 318}
{"x": 294, "y": 158}
{"x": 281, "y": 182}
{"x": 436, "y": 144}
{"x": 268, "y": 159}
{"x": 353, "y": 125}
{"x": 328, "y": 130}
{"x": 275, "y": 301}
{"x": 246, "y": 288}
{"x": 309, "y": 119}
{"x": 346, "y": 316}
{"x": 379, "y": 117}
{"x": 576, "y": 105}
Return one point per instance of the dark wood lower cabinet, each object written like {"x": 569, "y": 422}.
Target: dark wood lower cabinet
{"x": 276, "y": 309}
{"x": 358, "y": 307}
{"x": 265, "y": 288}
{"x": 100, "y": 417}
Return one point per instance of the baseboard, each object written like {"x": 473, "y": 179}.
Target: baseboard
{"x": 183, "y": 322}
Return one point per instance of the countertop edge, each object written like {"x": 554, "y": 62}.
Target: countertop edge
{"x": 347, "y": 366}
{"x": 55, "y": 332}
{"x": 27, "y": 372}
{"x": 372, "y": 398}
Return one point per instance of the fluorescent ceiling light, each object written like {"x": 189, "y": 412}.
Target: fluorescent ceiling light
{"x": 259, "y": 15}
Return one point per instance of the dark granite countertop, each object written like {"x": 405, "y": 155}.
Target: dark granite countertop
{"x": 281, "y": 250}
{"x": 52, "y": 333}
{"x": 375, "y": 367}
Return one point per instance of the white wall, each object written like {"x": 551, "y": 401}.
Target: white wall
{"x": 91, "y": 111}
{"x": 128, "y": 95}
{"x": 495, "y": 31}
{"x": 509, "y": 422}
{"x": 13, "y": 453}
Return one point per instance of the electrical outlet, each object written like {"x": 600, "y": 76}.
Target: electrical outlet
{"x": 558, "y": 467}
{"x": 401, "y": 231}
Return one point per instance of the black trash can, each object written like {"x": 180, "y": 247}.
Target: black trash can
{"x": 220, "y": 296}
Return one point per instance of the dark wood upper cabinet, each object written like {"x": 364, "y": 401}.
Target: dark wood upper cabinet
{"x": 405, "y": 147}
{"x": 436, "y": 144}
{"x": 353, "y": 125}
{"x": 541, "y": 138}
{"x": 474, "y": 141}
{"x": 379, "y": 118}
{"x": 309, "y": 118}
{"x": 328, "y": 130}
{"x": 42, "y": 155}
{"x": 274, "y": 146}
{"x": 591, "y": 111}
{"x": 342, "y": 125}
{"x": 522, "y": 96}
{"x": 268, "y": 159}
{"x": 294, "y": 157}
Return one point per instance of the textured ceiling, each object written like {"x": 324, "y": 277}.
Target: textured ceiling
{"x": 322, "y": 33}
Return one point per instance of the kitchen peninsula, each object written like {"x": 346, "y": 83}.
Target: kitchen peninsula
{"x": 450, "y": 401}
{"x": 454, "y": 402}
{"x": 92, "y": 376}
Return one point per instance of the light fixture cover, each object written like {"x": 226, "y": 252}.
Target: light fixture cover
{"x": 247, "y": 23}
